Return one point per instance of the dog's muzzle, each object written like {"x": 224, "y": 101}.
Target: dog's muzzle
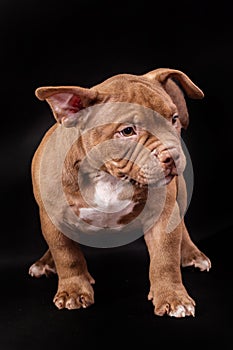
{"x": 169, "y": 162}
{"x": 162, "y": 165}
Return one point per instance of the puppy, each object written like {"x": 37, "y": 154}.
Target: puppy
{"x": 111, "y": 165}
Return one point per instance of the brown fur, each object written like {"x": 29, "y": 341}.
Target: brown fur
{"x": 155, "y": 90}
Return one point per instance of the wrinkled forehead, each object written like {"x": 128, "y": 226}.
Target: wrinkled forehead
{"x": 124, "y": 113}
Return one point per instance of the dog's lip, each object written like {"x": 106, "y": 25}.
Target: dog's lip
{"x": 168, "y": 178}
{"x": 165, "y": 180}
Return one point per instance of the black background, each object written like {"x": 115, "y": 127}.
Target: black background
{"x": 82, "y": 43}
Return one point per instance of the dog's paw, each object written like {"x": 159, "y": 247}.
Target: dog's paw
{"x": 75, "y": 293}
{"x": 196, "y": 259}
{"x": 40, "y": 269}
{"x": 182, "y": 311}
{"x": 173, "y": 303}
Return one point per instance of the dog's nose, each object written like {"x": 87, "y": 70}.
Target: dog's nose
{"x": 165, "y": 158}
{"x": 168, "y": 162}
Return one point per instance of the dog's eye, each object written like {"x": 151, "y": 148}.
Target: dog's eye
{"x": 174, "y": 118}
{"x": 126, "y": 132}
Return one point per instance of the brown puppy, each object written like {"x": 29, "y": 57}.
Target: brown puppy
{"x": 107, "y": 187}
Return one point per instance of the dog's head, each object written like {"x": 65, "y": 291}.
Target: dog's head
{"x": 139, "y": 152}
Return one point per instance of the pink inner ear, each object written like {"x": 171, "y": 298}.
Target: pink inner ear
{"x": 63, "y": 103}
{"x": 74, "y": 104}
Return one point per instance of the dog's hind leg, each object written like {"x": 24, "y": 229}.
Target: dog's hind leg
{"x": 44, "y": 266}
{"x": 190, "y": 254}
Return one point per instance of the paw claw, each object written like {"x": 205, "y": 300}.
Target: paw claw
{"x": 206, "y": 265}
{"x": 83, "y": 301}
{"x": 71, "y": 304}
{"x": 59, "y": 303}
{"x": 191, "y": 310}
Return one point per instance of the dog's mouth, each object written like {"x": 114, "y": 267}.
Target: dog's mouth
{"x": 144, "y": 183}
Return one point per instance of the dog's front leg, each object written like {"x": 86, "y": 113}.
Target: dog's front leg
{"x": 167, "y": 292}
{"x": 74, "y": 280}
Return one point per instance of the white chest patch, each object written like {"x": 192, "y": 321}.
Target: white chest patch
{"x": 107, "y": 196}
{"x": 110, "y": 203}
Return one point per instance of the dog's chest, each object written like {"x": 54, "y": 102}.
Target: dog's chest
{"x": 109, "y": 200}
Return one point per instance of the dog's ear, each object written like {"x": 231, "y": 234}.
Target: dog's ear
{"x": 66, "y": 101}
{"x": 174, "y": 83}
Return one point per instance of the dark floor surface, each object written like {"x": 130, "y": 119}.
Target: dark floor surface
{"x": 121, "y": 316}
